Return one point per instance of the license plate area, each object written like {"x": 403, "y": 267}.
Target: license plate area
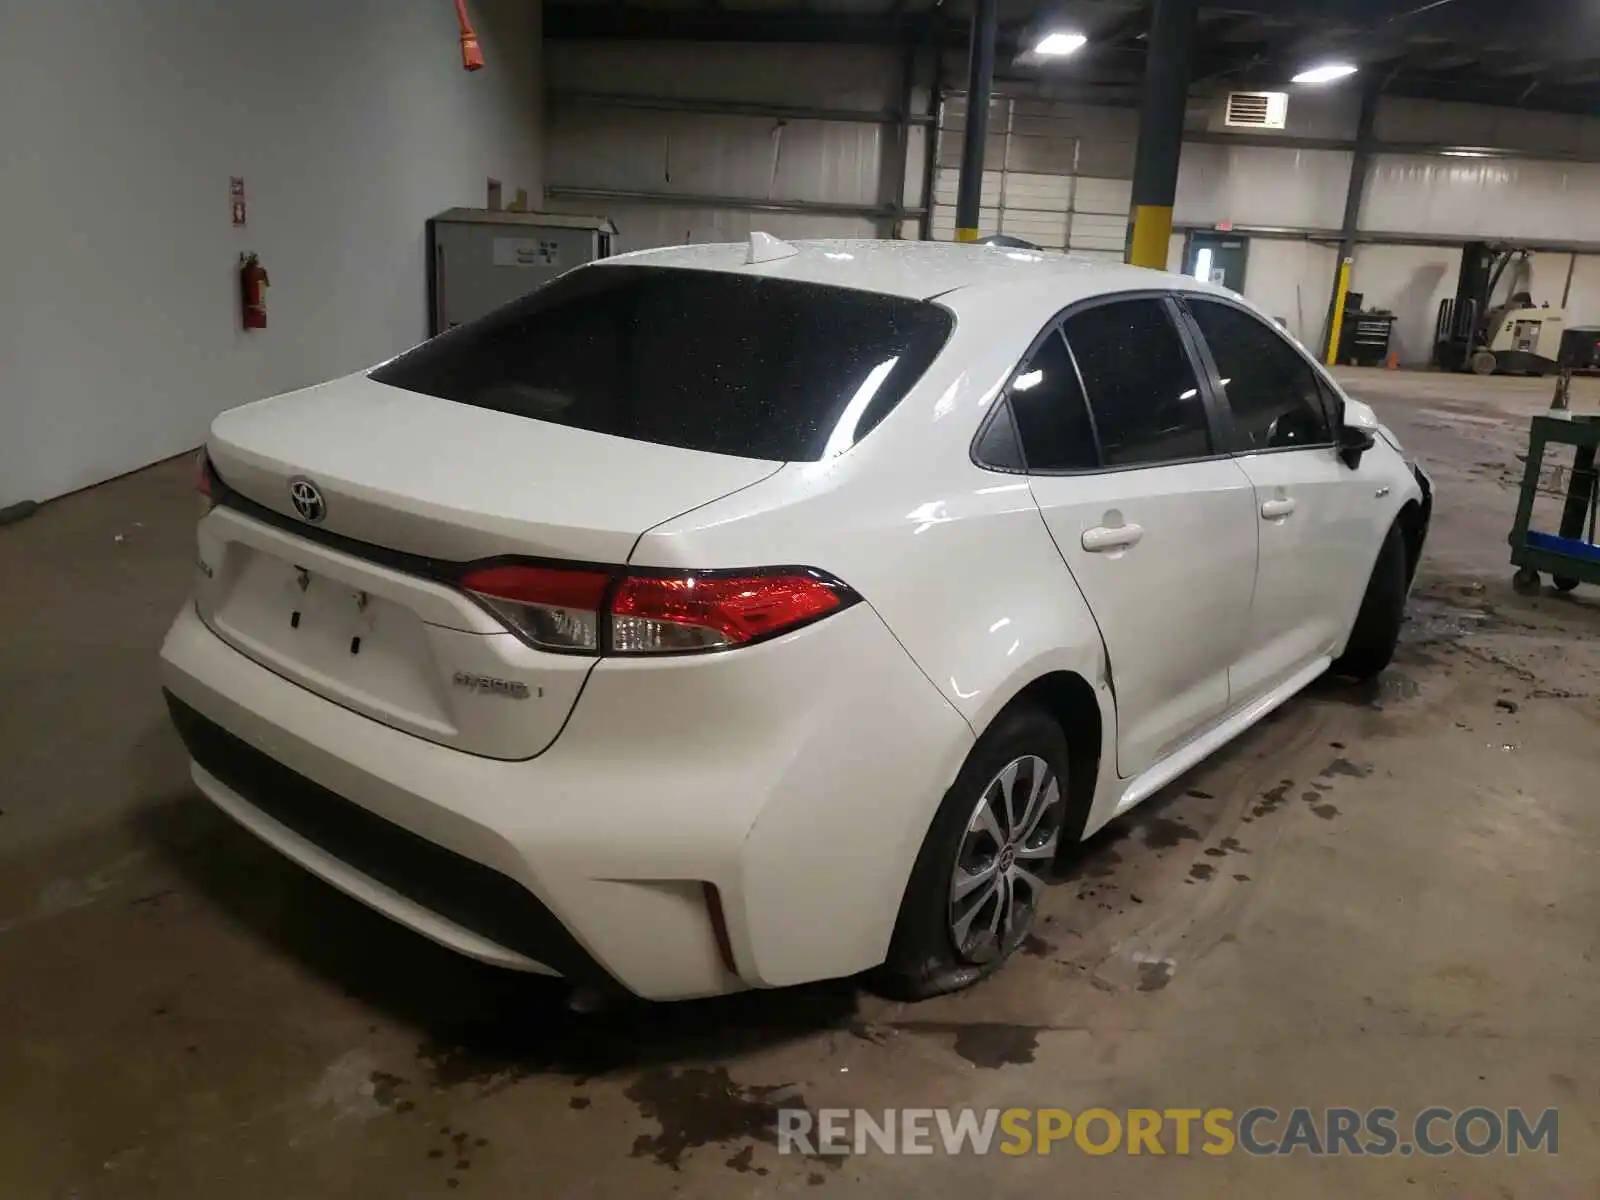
{"x": 428, "y": 662}
{"x": 326, "y": 617}
{"x": 352, "y": 645}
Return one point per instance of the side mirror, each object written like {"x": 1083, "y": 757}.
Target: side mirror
{"x": 1354, "y": 441}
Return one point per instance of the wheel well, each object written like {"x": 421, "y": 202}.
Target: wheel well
{"x": 1413, "y": 520}
{"x": 1068, "y": 698}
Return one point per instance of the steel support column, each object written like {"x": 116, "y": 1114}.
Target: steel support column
{"x": 980, "y": 82}
{"x": 930, "y": 138}
{"x": 1360, "y": 161}
{"x": 1161, "y": 109}
{"x": 898, "y": 155}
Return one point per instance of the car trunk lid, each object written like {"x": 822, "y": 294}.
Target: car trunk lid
{"x": 352, "y": 597}
{"x": 426, "y": 476}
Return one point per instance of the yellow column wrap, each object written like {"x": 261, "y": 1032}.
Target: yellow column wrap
{"x": 1152, "y": 230}
{"x": 1336, "y": 323}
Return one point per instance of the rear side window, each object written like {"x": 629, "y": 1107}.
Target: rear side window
{"x": 1140, "y": 383}
{"x": 1272, "y": 390}
{"x": 703, "y": 360}
{"x": 1052, "y": 420}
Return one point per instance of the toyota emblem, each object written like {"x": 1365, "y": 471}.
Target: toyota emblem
{"x": 307, "y": 500}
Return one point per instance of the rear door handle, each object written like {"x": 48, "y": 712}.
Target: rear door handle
{"x": 1276, "y": 510}
{"x": 1111, "y": 537}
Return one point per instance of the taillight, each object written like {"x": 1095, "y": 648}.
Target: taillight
{"x": 551, "y": 607}
{"x": 205, "y": 477}
{"x": 594, "y": 611}
{"x": 674, "y": 613}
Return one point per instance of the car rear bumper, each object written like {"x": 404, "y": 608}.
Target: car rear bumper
{"x": 797, "y": 777}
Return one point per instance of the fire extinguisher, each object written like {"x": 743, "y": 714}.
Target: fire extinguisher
{"x": 252, "y": 282}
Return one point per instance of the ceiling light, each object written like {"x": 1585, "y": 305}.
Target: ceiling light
{"x": 1057, "y": 45}
{"x": 1326, "y": 73}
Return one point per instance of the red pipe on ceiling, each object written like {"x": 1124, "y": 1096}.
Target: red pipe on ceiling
{"x": 471, "y": 53}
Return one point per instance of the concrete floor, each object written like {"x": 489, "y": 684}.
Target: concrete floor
{"x": 1382, "y": 897}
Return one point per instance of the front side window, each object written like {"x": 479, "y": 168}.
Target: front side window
{"x": 1140, "y": 383}
{"x": 1271, "y": 389}
{"x": 704, "y": 360}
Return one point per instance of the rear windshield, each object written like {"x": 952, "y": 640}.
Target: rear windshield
{"x": 704, "y": 360}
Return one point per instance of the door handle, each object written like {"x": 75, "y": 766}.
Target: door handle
{"x": 1111, "y": 537}
{"x": 1276, "y": 510}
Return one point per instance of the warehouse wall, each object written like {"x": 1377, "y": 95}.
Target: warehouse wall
{"x": 1496, "y": 199}
{"x": 1420, "y": 195}
{"x": 1400, "y": 119}
{"x": 351, "y": 122}
{"x": 1411, "y": 281}
{"x": 1066, "y": 169}
{"x": 1290, "y": 279}
{"x": 753, "y": 158}
{"x": 1259, "y": 185}
{"x": 1473, "y": 197}
{"x": 1583, "y": 306}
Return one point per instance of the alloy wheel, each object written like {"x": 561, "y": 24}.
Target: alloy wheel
{"x": 1011, "y": 838}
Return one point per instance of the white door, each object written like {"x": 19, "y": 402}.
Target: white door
{"x": 1158, "y": 529}
{"x": 1312, "y": 513}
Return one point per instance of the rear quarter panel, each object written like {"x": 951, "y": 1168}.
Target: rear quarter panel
{"x": 956, "y": 559}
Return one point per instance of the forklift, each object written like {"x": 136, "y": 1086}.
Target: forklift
{"x": 1469, "y": 335}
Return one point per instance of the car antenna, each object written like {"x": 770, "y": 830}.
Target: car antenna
{"x": 766, "y": 248}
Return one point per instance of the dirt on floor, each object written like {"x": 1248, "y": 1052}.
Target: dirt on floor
{"x": 1385, "y": 896}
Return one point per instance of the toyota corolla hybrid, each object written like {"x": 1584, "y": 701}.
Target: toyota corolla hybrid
{"x": 734, "y": 616}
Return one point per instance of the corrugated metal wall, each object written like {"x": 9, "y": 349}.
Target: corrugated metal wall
{"x": 1058, "y": 172}
{"x": 707, "y": 154}
{"x": 1259, "y": 185}
{"x": 595, "y": 144}
{"x": 1292, "y": 281}
{"x": 1476, "y": 197}
{"x": 1405, "y": 120}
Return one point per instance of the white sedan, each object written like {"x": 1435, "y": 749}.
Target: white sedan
{"x": 733, "y": 616}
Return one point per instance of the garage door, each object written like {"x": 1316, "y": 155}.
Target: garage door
{"x": 1033, "y": 188}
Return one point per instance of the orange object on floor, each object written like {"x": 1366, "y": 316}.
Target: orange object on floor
{"x": 1394, "y": 360}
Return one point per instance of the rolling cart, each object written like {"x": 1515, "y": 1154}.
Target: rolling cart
{"x": 1570, "y": 555}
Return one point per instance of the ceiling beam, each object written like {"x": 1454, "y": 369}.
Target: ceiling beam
{"x": 1548, "y": 29}
{"x": 1293, "y": 32}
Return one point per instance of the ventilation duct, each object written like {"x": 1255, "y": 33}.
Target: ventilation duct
{"x": 1256, "y": 110}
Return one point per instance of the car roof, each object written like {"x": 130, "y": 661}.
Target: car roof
{"x": 920, "y": 270}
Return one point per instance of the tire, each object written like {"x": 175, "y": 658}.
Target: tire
{"x": 1563, "y": 583}
{"x": 1525, "y": 582}
{"x": 1483, "y": 362}
{"x": 1377, "y": 628}
{"x": 924, "y": 958}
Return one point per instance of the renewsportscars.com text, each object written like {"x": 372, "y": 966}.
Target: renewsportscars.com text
{"x": 1261, "y": 1131}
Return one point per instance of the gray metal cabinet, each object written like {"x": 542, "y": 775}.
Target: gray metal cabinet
{"x": 479, "y": 260}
